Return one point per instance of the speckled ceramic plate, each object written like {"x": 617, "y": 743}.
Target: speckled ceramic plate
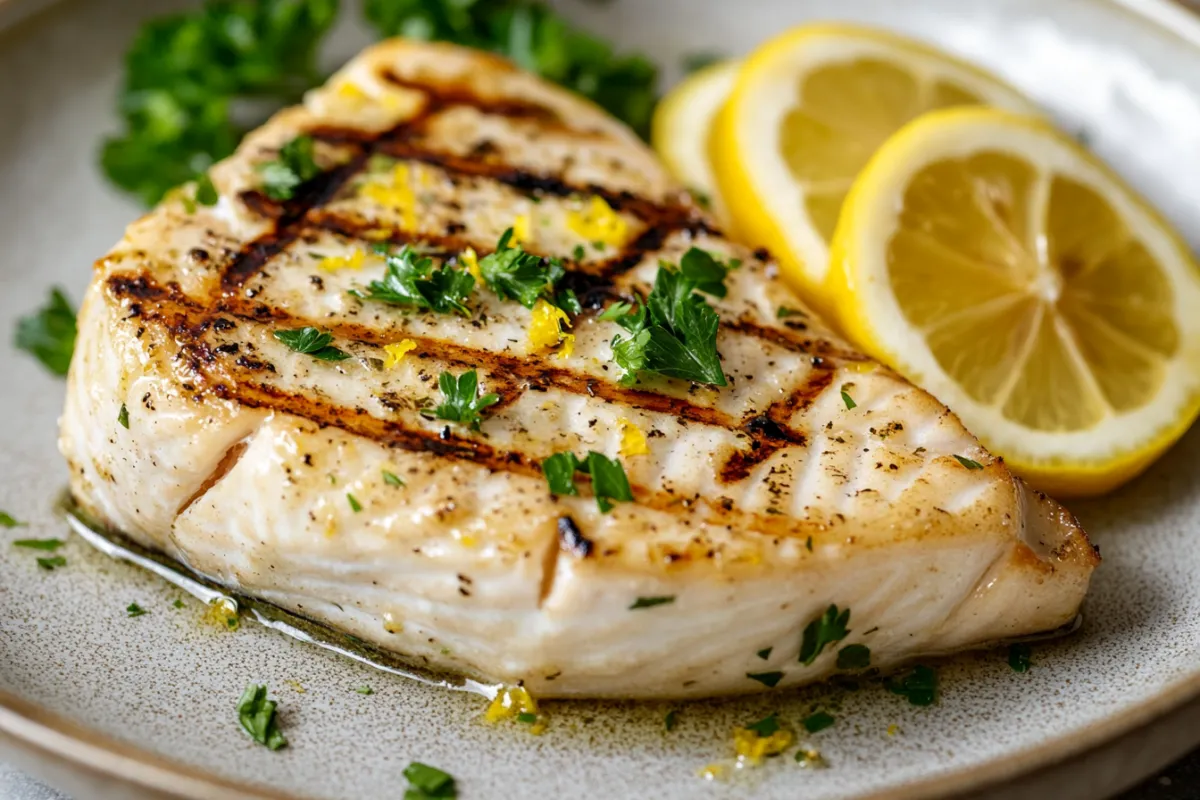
{"x": 116, "y": 706}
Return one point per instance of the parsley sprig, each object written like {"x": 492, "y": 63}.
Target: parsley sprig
{"x": 428, "y": 783}
{"x": 410, "y": 280}
{"x": 49, "y": 333}
{"x": 826, "y": 629}
{"x": 257, "y": 715}
{"x": 293, "y": 166}
{"x": 461, "y": 402}
{"x": 312, "y": 342}
{"x": 514, "y": 274}
{"x": 608, "y": 477}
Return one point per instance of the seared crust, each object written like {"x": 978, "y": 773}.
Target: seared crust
{"x": 758, "y": 504}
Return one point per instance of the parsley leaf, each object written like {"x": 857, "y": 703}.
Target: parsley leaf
{"x": 609, "y": 481}
{"x": 49, "y": 333}
{"x": 651, "y": 602}
{"x": 854, "y": 656}
{"x": 768, "y": 679}
{"x": 355, "y": 506}
{"x": 123, "y": 417}
{"x": 257, "y": 715}
{"x": 392, "y": 479}
{"x": 559, "y": 470}
{"x": 919, "y": 686}
{"x": 428, "y": 782}
{"x": 669, "y": 720}
{"x": 849, "y": 401}
{"x": 293, "y": 166}
{"x": 514, "y": 274}
{"x": 568, "y": 302}
{"x": 817, "y": 722}
{"x": 365, "y": 690}
{"x": 410, "y": 280}
{"x": 968, "y": 463}
{"x": 765, "y": 653}
{"x": 705, "y": 270}
{"x": 616, "y": 311}
{"x": 460, "y": 401}
{"x": 829, "y": 628}
{"x": 52, "y": 562}
{"x": 767, "y": 726}
{"x": 134, "y": 610}
{"x": 206, "y": 193}
{"x": 312, "y": 342}
{"x": 8, "y": 520}
{"x": 47, "y": 545}
{"x": 1020, "y": 657}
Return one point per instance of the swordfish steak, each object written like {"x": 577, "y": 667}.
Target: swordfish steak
{"x": 323, "y": 480}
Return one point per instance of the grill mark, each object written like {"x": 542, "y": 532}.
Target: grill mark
{"x": 819, "y": 349}
{"x": 770, "y": 431}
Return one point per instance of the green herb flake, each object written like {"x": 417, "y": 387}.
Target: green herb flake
{"x": 177, "y": 603}
{"x": 919, "y": 686}
{"x": 854, "y": 656}
{"x": 783, "y": 312}
{"x": 48, "y": 334}
{"x": 461, "y": 401}
{"x": 827, "y": 629}
{"x": 559, "y": 470}
{"x": 765, "y": 653}
{"x": 364, "y": 690}
{"x": 579, "y": 253}
{"x": 206, "y": 192}
{"x": 355, "y": 506}
{"x": 409, "y": 279}
{"x": 48, "y": 545}
{"x": 123, "y": 417}
{"x": 8, "y": 520}
{"x": 669, "y": 720}
{"x": 392, "y": 479}
{"x": 609, "y": 481}
{"x": 767, "y": 726}
{"x": 703, "y": 268}
{"x": 293, "y": 166}
{"x": 1020, "y": 657}
{"x": 968, "y": 463}
{"x": 568, "y": 302}
{"x": 527, "y": 718}
{"x": 257, "y": 716}
{"x": 651, "y": 602}
{"x": 431, "y": 782}
{"x": 768, "y": 679}
{"x": 848, "y": 400}
{"x": 514, "y": 274}
{"x": 51, "y": 562}
{"x": 817, "y": 722}
{"x": 311, "y": 342}
{"x": 134, "y": 610}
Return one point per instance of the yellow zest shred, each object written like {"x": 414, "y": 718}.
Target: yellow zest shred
{"x": 348, "y": 90}
{"x": 471, "y": 261}
{"x": 223, "y": 612}
{"x": 633, "y": 441}
{"x": 397, "y": 195}
{"x": 751, "y": 747}
{"x": 893, "y": 729}
{"x": 520, "y": 229}
{"x": 355, "y": 260}
{"x": 391, "y": 624}
{"x": 598, "y": 223}
{"x": 509, "y": 702}
{"x": 295, "y": 684}
{"x": 467, "y": 540}
{"x": 545, "y": 329}
{"x": 539, "y": 727}
{"x": 396, "y": 352}
{"x": 713, "y": 772}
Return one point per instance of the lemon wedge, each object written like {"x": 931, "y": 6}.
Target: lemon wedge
{"x": 992, "y": 261}
{"x": 806, "y": 112}
{"x": 680, "y": 130}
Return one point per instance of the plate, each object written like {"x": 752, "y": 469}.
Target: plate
{"x": 108, "y": 705}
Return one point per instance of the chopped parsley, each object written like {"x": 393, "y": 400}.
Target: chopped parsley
{"x": 919, "y": 686}
{"x": 8, "y": 520}
{"x": 257, "y": 715}
{"x": 312, "y": 342}
{"x": 51, "y": 562}
{"x": 817, "y": 722}
{"x": 849, "y": 401}
{"x": 968, "y": 463}
{"x": 669, "y": 720}
{"x": 568, "y": 302}
{"x": 47, "y": 545}
{"x": 177, "y": 603}
{"x": 579, "y": 252}
{"x": 651, "y": 602}
{"x": 767, "y": 726}
{"x": 1020, "y": 657}
{"x": 705, "y": 270}
{"x": 355, "y": 506}
{"x": 768, "y": 679}
{"x": 392, "y": 479}
{"x": 827, "y": 629}
{"x": 674, "y": 332}
{"x": 293, "y": 166}
{"x": 427, "y": 782}
{"x": 206, "y": 192}
{"x": 365, "y": 690}
{"x": 514, "y": 274}
{"x": 783, "y": 312}
{"x": 765, "y": 653}
{"x": 409, "y": 279}
{"x": 48, "y": 334}
{"x": 609, "y": 481}
{"x": 527, "y": 718}
{"x": 854, "y": 656}
{"x": 123, "y": 417}
{"x": 134, "y": 610}
{"x": 460, "y": 400}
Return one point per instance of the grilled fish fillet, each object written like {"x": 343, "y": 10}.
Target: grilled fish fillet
{"x": 758, "y": 505}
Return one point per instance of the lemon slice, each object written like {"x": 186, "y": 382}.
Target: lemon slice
{"x": 992, "y": 261}
{"x": 807, "y": 111}
{"x": 681, "y": 127}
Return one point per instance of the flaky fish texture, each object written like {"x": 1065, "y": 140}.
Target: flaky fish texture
{"x": 814, "y": 478}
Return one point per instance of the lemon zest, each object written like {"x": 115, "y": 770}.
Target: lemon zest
{"x": 545, "y": 329}
{"x": 349, "y": 90}
{"x": 713, "y": 772}
{"x": 751, "y": 747}
{"x": 520, "y": 231}
{"x": 397, "y": 351}
{"x": 391, "y": 624}
{"x": 599, "y": 223}
{"x": 633, "y": 441}
{"x": 223, "y": 612}
{"x": 355, "y": 260}
{"x": 397, "y": 195}
{"x": 470, "y": 260}
{"x": 509, "y": 702}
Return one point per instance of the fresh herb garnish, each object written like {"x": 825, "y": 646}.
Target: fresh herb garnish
{"x": 767, "y": 726}
{"x": 51, "y": 562}
{"x": 49, "y": 333}
{"x": 177, "y": 603}
{"x": 919, "y": 686}
{"x": 47, "y": 545}
{"x": 123, "y": 417}
{"x": 830, "y": 627}
{"x": 514, "y": 274}
{"x": 854, "y": 656}
{"x": 206, "y": 192}
{"x": 355, "y": 506}
{"x": 817, "y": 722}
{"x": 669, "y": 720}
{"x": 257, "y": 715}
{"x": 293, "y": 166}
{"x": 392, "y": 479}
{"x": 134, "y": 610}
{"x": 849, "y": 401}
{"x": 765, "y": 653}
{"x": 1020, "y": 657}
{"x": 527, "y": 718}
{"x": 616, "y": 311}
{"x": 674, "y": 333}
{"x": 409, "y": 279}
{"x": 968, "y": 463}
{"x": 783, "y": 312}
{"x": 609, "y": 481}
{"x": 768, "y": 679}
{"x": 579, "y": 252}
{"x": 8, "y": 521}
{"x": 312, "y": 342}
{"x": 568, "y": 302}
{"x": 365, "y": 690}
{"x": 461, "y": 402}
{"x": 651, "y": 602}
{"x": 428, "y": 782}
{"x": 701, "y": 267}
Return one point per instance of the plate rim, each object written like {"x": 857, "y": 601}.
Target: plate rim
{"x": 51, "y": 742}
